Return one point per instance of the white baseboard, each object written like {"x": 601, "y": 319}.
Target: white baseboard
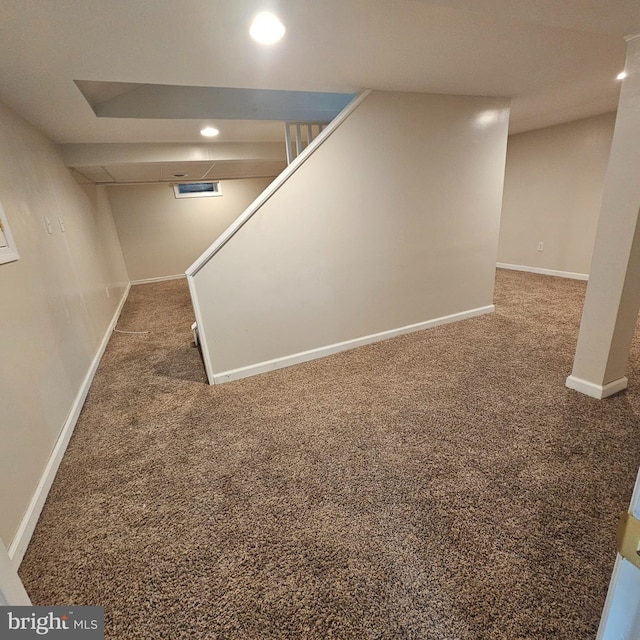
{"x": 297, "y": 358}
{"x": 12, "y": 591}
{"x": 160, "y": 279}
{"x": 20, "y": 541}
{"x": 595, "y": 390}
{"x": 544, "y": 272}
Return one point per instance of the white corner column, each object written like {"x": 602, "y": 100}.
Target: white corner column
{"x": 613, "y": 294}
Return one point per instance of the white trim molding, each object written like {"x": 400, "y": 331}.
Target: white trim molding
{"x": 202, "y": 338}
{"x": 20, "y": 541}
{"x": 596, "y": 390}
{"x": 12, "y": 592}
{"x": 544, "y": 272}
{"x": 321, "y": 352}
{"x": 159, "y": 279}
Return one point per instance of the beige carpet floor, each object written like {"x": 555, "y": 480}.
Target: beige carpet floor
{"x": 442, "y": 485}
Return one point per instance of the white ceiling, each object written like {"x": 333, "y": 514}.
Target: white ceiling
{"x": 556, "y": 59}
{"x": 136, "y": 172}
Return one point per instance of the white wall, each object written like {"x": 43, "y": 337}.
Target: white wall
{"x": 553, "y": 188}
{"x": 55, "y": 310}
{"x": 392, "y": 221}
{"x": 161, "y": 235}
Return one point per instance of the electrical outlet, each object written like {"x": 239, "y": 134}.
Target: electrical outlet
{"x": 47, "y": 224}
{"x": 61, "y": 222}
{"x": 540, "y": 246}
{"x": 107, "y": 290}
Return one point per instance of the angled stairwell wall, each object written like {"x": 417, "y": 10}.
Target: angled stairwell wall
{"x": 388, "y": 223}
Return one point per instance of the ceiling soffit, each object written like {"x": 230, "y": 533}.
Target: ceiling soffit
{"x": 135, "y": 100}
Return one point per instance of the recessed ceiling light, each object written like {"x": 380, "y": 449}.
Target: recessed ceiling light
{"x": 209, "y": 132}
{"x": 266, "y": 28}
{"x": 622, "y": 75}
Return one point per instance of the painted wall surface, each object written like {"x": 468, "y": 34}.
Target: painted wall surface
{"x": 392, "y": 221}
{"x": 162, "y": 235}
{"x": 55, "y": 310}
{"x": 552, "y": 193}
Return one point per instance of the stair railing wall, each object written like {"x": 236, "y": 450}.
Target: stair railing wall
{"x": 299, "y": 135}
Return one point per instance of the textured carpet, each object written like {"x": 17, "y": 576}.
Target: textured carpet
{"x": 440, "y": 485}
